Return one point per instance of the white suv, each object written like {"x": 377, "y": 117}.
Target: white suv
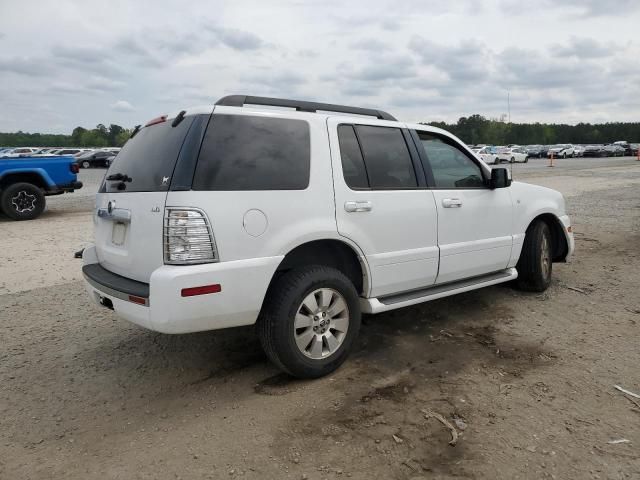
{"x": 299, "y": 219}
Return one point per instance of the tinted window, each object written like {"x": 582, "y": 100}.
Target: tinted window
{"x": 386, "y": 157}
{"x": 353, "y": 169}
{"x": 149, "y": 158}
{"x": 451, "y": 167}
{"x": 242, "y": 152}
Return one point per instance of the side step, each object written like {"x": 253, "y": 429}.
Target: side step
{"x": 391, "y": 302}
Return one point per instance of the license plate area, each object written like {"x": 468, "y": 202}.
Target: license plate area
{"x": 118, "y": 233}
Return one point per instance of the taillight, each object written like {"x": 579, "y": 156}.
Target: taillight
{"x": 74, "y": 167}
{"x": 188, "y": 238}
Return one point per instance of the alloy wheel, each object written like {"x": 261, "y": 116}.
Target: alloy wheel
{"x": 23, "y": 201}
{"x": 321, "y": 323}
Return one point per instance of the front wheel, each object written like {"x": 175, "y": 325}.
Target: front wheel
{"x": 535, "y": 263}
{"x": 22, "y": 201}
{"x": 512, "y": 160}
{"x": 86, "y": 164}
{"x": 496, "y": 161}
{"x": 309, "y": 321}
{"x": 526, "y": 159}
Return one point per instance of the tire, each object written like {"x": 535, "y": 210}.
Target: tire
{"x": 536, "y": 262}
{"x": 284, "y": 309}
{"x": 564, "y": 155}
{"x": 86, "y": 164}
{"x": 513, "y": 160}
{"x": 22, "y": 201}
{"x": 526, "y": 159}
{"x": 496, "y": 161}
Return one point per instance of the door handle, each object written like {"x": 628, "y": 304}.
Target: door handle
{"x": 361, "y": 206}
{"x": 451, "y": 203}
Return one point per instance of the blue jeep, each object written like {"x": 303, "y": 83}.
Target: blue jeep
{"x": 25, "y": 181}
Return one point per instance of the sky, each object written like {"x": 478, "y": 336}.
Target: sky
{"x": 69, "y": 63}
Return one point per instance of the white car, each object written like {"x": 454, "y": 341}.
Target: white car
{"x": 513, "y": 155}
{"x": 487, "y": 155}
{"x": 299, "y": 220}
{"x": 19, "y": 152}
{"x": 561, "y": 151}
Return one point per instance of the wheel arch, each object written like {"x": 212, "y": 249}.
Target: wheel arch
{"x": 33, "y": 177}
{"x": 558, "y": 238}
{"x": 337, "y": 253}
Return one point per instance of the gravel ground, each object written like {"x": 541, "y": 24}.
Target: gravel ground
{"x": 526, "y": 379}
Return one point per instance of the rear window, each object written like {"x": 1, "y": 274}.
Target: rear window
{"x": 149, "y": 158}
{"x": 241, "y": 152}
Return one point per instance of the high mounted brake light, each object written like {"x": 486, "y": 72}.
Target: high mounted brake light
{"x": 160, "y": 119}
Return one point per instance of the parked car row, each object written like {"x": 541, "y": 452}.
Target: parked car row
{"x": 86, "y": 157}
{"x": 516, "y": 153}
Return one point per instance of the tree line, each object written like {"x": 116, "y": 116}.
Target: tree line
{"x": 101, "y": 136}
{"x": 472, "y": 130}
{"x": 478, "y": 129}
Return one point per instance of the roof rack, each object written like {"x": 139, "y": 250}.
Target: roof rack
{"x": 301, "y": 106}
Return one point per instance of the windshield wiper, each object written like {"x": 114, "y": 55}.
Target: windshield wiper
{"x": 119, "y": 177}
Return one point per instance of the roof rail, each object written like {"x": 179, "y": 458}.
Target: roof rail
{"x": 301, "y": 106}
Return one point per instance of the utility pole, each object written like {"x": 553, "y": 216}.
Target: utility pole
{"x": 508, "y": 106}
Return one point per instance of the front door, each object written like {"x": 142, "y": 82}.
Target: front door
{"x": 383, "y": 204}
{"x": 474, "y": 222}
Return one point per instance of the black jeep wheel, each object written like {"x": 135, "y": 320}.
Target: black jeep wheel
{"x": 309, "y": 321}
{"x": 536, "y": 259}
{"x": 22, "y": 201}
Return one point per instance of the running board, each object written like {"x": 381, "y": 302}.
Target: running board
{"x": 391, "y": 302}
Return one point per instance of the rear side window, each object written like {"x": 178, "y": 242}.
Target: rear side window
{"x": 386, "y": 157}
{"x": 241, "y": 152}
{"x": 353, "y": 169}
{"x": 149, "y": 158}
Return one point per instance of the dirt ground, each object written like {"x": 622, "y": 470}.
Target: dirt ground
{"x": 526, "y": 380}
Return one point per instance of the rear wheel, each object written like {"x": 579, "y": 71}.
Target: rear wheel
{"x": 86, "y": 164}
{"x": 513, "y": 160}
{"x": 309, "y": 321}
{"x": 22, "y": 201}
{"x": 535, "y": 263}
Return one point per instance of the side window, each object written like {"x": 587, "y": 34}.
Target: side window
{"x": 242, "y": 152}
{"x": 451, "y": 167}
{"x": 386, "y": 156}
{"x": 353, "y": 169}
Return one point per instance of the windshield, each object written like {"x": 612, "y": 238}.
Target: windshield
{"x": 147, "y": 160}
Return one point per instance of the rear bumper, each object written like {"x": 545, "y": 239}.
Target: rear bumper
{"x": 244, "y": 284}
{"x": 69, "y": 187}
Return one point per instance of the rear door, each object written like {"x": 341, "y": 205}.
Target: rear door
{"x": 383, "y": 204}
{"x": 130, "y": 203}
{"x": 474, "y": 222}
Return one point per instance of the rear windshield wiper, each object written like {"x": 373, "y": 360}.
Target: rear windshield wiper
{"x": 119, "y": 177}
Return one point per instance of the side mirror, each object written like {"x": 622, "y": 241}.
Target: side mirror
{"x": 499, "y": 178}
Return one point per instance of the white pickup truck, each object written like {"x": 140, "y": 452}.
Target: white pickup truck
{"x": 298, "y": 219}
